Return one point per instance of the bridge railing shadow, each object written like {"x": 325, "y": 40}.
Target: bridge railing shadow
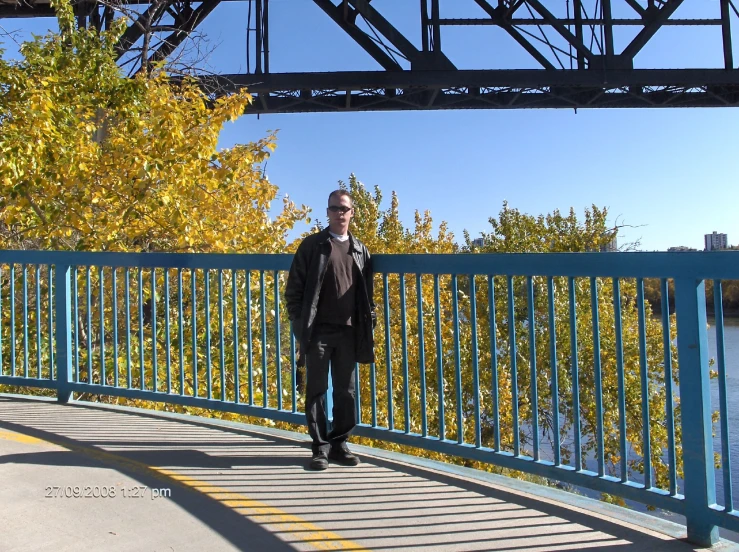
{"x": 225, "y": 477}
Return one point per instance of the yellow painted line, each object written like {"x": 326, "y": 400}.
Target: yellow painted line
{"x": 19, "y": 437}
{"x": 301, "y": 529}
{"x": 309, "y": 532}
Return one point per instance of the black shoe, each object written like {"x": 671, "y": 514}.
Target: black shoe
{"x": 319, "y": 462}
{"x": 343, "y": 456}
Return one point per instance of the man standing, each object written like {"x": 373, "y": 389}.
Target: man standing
{"x": 329, "y": 301}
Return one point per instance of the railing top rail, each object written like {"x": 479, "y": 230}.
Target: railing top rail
{"x": 715, "y": 264}
{"x": 151, "y": 260}
{"x": 700, "y": 265}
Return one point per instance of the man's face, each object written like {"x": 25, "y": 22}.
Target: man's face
{"x": 340, "y": 212}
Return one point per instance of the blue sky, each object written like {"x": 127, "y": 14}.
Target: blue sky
{"x": 671, "y": 173}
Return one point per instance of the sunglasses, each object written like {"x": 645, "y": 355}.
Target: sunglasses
{"x": 339, "y": 209}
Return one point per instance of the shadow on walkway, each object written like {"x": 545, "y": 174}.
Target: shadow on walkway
{"x": 247, "y": 489}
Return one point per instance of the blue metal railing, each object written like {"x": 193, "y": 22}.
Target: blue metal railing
{"x": 548, "y": 364}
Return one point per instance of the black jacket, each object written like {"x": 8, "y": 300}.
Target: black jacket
{"x": 304, "y": 286}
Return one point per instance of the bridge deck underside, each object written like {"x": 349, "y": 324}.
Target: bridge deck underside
{"x": 585, "y": 53}
{"x": 379, "y": 91}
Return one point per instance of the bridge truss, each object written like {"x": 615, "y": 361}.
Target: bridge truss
{"x": 577, "y": 53}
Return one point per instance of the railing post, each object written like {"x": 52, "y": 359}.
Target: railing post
{"x": 63, "y": 334}
{"x": 695, "y": 401}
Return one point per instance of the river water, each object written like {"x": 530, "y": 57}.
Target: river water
{"x": 731, "y": 348}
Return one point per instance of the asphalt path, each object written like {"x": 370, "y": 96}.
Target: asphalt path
{"x": 90, "y": 477}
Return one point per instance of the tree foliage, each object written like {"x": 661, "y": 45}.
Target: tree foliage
{"x": 516, "y": 232}
{"x": 91, "y": 160}
{"x": 729, "y": 296}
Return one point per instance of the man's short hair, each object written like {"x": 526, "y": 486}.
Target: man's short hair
{"x": 340, "y": 193}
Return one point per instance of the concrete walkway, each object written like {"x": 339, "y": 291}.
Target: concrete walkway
{"x": 87, "y": 477}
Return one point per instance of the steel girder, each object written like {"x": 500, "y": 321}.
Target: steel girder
{"x": 572, "y": 41}
{"x": 500, "y": 89}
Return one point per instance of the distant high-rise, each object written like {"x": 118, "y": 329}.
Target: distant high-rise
{"x": 715, "y": 241}
{"x": 478, "y": 242}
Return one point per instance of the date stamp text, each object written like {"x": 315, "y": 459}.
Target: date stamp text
{"x": 106, "y": 491}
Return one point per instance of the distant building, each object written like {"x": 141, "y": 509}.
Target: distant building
{"x": 611, "y": 246}
{"x": 715, "y": 241}
{"x": 478, "y": 242}
{"x": 680, "y": 248}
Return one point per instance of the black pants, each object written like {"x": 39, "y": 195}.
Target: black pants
{"x": 335, "y": 345}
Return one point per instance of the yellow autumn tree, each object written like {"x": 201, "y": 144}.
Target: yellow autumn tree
{"x": 451, "y": 398}
{"x": 93, "y": 161}
{"x": 516, "y": 232}
{"x": 396, "y": 351}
